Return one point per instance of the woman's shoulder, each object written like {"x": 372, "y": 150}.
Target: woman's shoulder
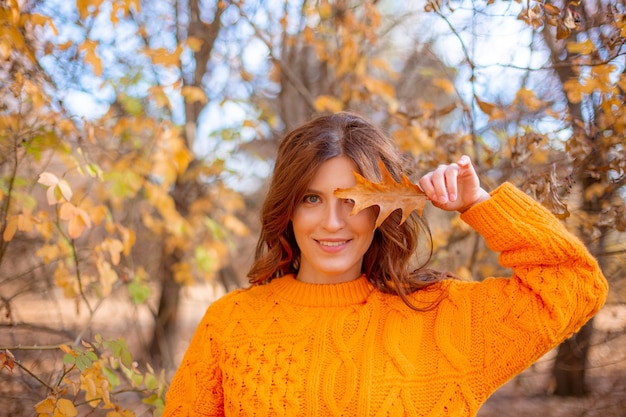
{"x": 238, "y": 299}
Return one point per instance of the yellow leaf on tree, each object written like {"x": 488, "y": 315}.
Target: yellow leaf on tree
{"x": 490, "y": 109}
{"x": 573, "y": 89}
{"x": 84, "y": 5}
{"x": 379, "y": 87}
{"x": 46, "y": 406}
{"x": 194, "y": 43}
{"x": 161, "y": 56}
{"x": 193, "y": 94}
{"x": 528, "y": 99}
{"x": 445, "y": 84}
{"x": 58, "y": 190}
{"x": 107, "y": 276}
{"x": 40, "y": 20}
{"x": 182, "y": 158}
{"x": 63, "y": 280}
{"x": 128, "y": 238}
{"x": 328, "y": 103}
{"x": 487, "y": 108}
{"x": 182, "y": 273}
{"x": 235, "y": 225}
{"x": 114, "y": 247}
{"x": 388, "y": 195}
{"x": 10, "y": 229}
{"x": 65, "y": 408}
{"x": 78, "y": 219}
{"x": 585, "y": 48}
{"x": 595, "y": 191}
{"x": 91, "y": 57}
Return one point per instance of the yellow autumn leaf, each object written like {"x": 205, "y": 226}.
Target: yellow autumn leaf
{"x": 65, "y": 281}
{"x": 584, "y": 48}
{"x": 161, "y": 56}
{"x": 107, "y": 276}
{"x": 58, "y": 189}
{"x": 49, "y": 253}
{"x": 128, "y": 238}
{"x": 193, "y": 94}
{"x": 91, "y": 57}
{"x": 77, "y": 217}
{"x": 486, "y": 107}
{"x": 65, "y": 45}
{"x": 83, "y": 7}
{"x": 65, "y": 408}
{"x": 489, "y": 109}
{"x": 573, "y": 90}
{"x": 445, "y": 84}
{"x": 325, "y": 10}
{"x": 45, "y": 406}
{"x": 194, "y": 43}
{"x": 34, "y": 93}
{"x": 97, "y": 213}
{"x": 594, "y": 191}
{"x": 10, "y": 229}
{"x": 65, "y": 348}
{"x": 528, "y": 99}
{"x": 235, "y": 225}
{"x": 37, "y": 19}
{"x": 182, "y": 273}
{"x": 328, "y": 103}
{"x": 379, "y": 87}
{"x": 182, "y": 158}
{"x": 114, "y": 248}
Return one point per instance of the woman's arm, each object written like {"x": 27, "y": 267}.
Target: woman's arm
{"x": 196, "y": 389}
{"x": 502, "y": 325}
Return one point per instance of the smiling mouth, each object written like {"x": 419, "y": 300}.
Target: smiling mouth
{"x": 332, "y": 244}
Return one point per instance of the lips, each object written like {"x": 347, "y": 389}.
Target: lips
{"x": 332, "y": 243}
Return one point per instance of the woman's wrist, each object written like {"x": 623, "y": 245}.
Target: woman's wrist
{"x": 483, "y": 196}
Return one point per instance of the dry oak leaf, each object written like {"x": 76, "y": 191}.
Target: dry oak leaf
{"x": 388, "y": 195}
{"x": 7, "y": 360}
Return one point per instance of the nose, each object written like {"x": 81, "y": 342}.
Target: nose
{"x": 334, "y": 218}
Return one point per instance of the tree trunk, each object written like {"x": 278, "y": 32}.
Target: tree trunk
{"x": 570, "y": 364}
{"x": 167, "y": 315}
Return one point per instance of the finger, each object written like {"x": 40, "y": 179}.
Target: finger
{"x": 451, "y": 176}
{"x": 439, "y": 182}
{"x": 425, "y": 183}
{"x": 466, "y": 166}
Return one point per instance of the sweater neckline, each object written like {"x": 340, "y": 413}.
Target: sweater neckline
{"x": 322, "y": 295}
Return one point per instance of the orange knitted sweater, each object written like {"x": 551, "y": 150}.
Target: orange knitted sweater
{"x": 290, "y": 348}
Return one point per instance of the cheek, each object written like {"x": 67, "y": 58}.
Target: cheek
{"x": 367, "y": 218}
{"x": 301, "y": 220}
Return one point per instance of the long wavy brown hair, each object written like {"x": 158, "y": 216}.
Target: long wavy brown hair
{"x": 388, "y": 263}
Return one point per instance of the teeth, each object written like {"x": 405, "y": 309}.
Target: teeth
{"x": 332, "y": 243}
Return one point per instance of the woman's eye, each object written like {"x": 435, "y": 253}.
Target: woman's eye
{"x": 350, "y": 201}
{"x": 311, "y": 199}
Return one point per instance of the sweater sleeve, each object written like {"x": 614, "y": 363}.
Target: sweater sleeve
{"x": 556, "y": 286}
{"x": 196, "y": 388}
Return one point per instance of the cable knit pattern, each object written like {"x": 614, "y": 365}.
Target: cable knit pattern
{"x": 290, "y": 348}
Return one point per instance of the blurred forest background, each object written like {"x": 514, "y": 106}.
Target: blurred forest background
{"x": 136, "y": 138}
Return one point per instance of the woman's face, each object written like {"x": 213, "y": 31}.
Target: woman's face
{"x": 331, "y": 241}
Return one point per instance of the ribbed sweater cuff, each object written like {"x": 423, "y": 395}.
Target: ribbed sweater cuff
{"x": 493, "y": 217}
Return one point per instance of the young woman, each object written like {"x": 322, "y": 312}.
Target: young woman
{"x": 337, "y": 322}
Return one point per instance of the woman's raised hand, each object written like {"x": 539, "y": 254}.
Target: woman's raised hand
{"x": 454, "y": 186}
